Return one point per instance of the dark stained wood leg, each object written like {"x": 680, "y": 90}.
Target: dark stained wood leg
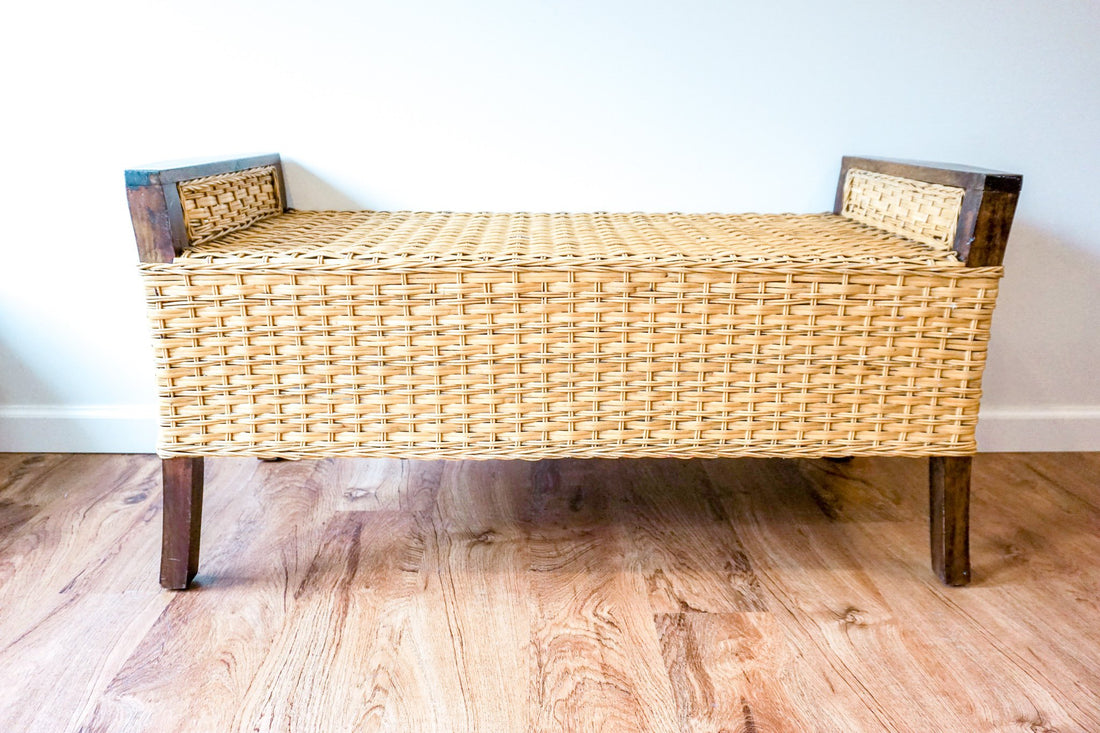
{"x": 949, "y": 517}
{"x": 179, "y": 559}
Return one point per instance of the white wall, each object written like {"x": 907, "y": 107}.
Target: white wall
{"x": 572, "y": 105}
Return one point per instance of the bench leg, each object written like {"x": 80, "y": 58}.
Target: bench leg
{"x": 179, "y": 558}
{"x": 949, "y": 518}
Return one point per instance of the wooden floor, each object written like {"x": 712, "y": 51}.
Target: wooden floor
{"x": 734, "y": 595}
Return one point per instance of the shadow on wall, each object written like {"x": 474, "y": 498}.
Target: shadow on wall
{"x": 1045, "y": 336}
{"x": 36, "y": 418}
{"x": 24, "y": 400}
{"x": 306, "y": 190}
{"x": 19, "y": 384}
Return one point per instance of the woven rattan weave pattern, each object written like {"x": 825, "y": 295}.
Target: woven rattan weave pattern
{"x": 924, "y": 212}
{"x": 215, "y": 205}
{"x": 418, "y": 239}
{"x": 537, "y": 336}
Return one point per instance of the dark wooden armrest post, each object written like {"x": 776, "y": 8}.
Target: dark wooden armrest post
{"x": 159, "y": 228}
{"x": 989, "y": 204}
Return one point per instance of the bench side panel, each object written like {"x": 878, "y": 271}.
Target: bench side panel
{"x": 498, "y": 362}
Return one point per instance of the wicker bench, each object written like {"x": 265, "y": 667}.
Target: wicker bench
{"x": 300, "y": 334}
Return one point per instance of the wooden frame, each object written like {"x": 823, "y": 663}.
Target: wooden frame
{"x": 159, "y": 229}
{"x": 989, "y": 201}
{"x": 988, "y": 206}
{"x": 155, "y": 203}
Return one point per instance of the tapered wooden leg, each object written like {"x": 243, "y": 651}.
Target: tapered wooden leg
{"x": 949, "y": 517}
{"x": 179, "y": 558}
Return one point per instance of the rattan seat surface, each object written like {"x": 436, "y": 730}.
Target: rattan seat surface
{"x": 402, "y": 239}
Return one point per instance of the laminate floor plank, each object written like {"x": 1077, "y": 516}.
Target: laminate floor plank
{"x": 471, "y": 625}
{"x": 597, "y": 651}
{"x": 858, "y": 614}
{"x": 56, "y": 672}
{"x": 329, "y": 664}
{"x": 598, "y": 655}
{"x": 680, "y": 539}
{"x": 650, "y": 595}
{"x": 97, "y": 535}
{"x": 213, "y": 639}
{"x": 731, "y": 672}
{"x": 386, "y": 484}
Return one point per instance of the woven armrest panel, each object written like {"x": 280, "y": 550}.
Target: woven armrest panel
{"x": 567, "y": 335}
{"x": 923, "y": 212}
{"x": 215, "y": 205}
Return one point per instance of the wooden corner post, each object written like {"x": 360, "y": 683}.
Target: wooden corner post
{"x": 159, "y": 228}
{"x": 988, "y": 207}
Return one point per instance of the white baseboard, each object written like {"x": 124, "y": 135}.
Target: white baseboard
{"x": 78, "y": 428}
{"x": 133, "y": 429}
{"x": 1052, "y": 428}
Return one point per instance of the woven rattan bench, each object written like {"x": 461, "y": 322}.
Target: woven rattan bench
{"x": 308, "y": 334}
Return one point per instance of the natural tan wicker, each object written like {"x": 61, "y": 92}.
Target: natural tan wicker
{"x": 549, "y": 335}
{"x": 923, "y": 212}
{"x": 215, "y": 205}
{"x": 389, "y": 239}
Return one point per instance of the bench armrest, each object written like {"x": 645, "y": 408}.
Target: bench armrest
{"x": 981, "y": 220}
{"x": 174, "y": 205}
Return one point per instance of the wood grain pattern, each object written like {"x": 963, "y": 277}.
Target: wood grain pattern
{"x": 470, "y": 619}
{"x": 679, "y": 539}
{"x": 991, "y": 227}
{"x": 152, "y": 222}
{"x": 729, "y": 671}
{"x": 182, "y": 482}
{"x": 949, "y": 518}
{"x": 649, "y": 595}
{"x": 182, "y": 170}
